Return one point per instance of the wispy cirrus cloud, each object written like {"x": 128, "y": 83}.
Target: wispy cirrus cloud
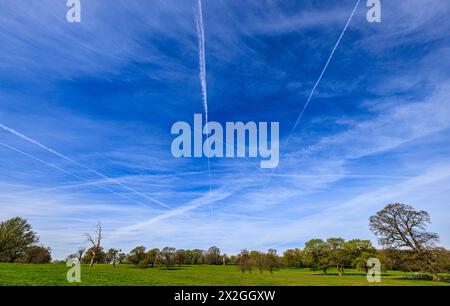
{"x": 106, "y": 92}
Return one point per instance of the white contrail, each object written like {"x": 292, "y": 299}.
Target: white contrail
{"x": 218, "y": 195}
{"x": 202, "y": 75}
{"x": 62, "y": 187}
{"x": 321, "y": 74}
{"x": 202, "y": 57}
{"x": 64, "y": 171}
{"x": 316, "y": 84}
{"x": 26, "y": 138}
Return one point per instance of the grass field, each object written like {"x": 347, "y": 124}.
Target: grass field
{"x": 55, "y": 274}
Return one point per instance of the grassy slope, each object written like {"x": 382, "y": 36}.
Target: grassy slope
{"x": 17, "y": 274}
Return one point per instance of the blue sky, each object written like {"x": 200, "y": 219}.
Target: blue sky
{"x": 105, "y": 93}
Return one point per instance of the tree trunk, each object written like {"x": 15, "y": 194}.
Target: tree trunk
{"x": 91, "y": 263}
{"x": 434, "y": 274}
{"x": 428, "y": 263}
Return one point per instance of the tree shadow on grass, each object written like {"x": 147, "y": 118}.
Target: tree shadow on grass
{"x": 158, "y": 268}
{"x": 346, "y": 274}
{"x": 423, "y": 277}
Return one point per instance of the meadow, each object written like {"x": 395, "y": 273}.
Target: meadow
{"x": 128, "y": 275}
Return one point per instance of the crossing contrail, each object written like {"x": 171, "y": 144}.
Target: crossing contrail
{"x": 202, "y": 75}
{"x": 321, "y": 74}
{"x": 64, "y": 171}
{"x": 111, "y": 180}
{"x": 308, "y": 101}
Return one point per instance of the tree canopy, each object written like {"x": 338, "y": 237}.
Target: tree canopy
{"x": 16, "y": 236}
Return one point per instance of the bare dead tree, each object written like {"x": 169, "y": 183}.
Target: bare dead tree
{"x": 96, "y": 243}
{"x": 399, "y": 226}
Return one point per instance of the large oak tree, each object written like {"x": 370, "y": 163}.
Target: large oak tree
{"x": 401, "y": 227}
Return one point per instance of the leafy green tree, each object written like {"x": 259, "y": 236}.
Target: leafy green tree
{"x": 244, "y": 261}
{"x": 93, "y": 256}
{"x": 189, "y": 257}
{"x": 213, "y": 256}
{"x": 293, "y": 258}
{"x": 258, "y": 259}
{"x": 144, "y": 259}
{"x": 359, "y": 252}
{"x": 16, "y": 236}
{"x": 180, "y": 257}
{"x": 36, "y": 255}
{"x": 233, "y": 260}
{"x": 152, "y": 256}
{"x": 337, "y": 255}
{"x": 111, "y": 256}
{"x": 137, "y": 255}
{"x": 167, "y": 257}
{"x": 442, "y": 260}
{"x": 143, "y": 264}
{"x": 197, "y": 256}
{"x": 399, "y": 260}
{"x": 316, "y": 255}
{"x": 121, "y": 257}
{"x": 271, "y": 260}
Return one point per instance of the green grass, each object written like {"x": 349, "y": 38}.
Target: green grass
{"x": 55, "y": 274}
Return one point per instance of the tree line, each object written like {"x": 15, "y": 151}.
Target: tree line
{"x": 401, "y": 231}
